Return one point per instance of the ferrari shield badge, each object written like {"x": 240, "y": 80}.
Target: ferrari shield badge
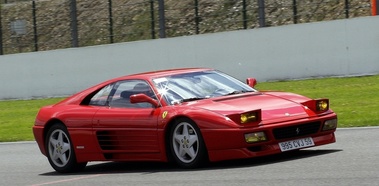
{"x": 164, "y": 114}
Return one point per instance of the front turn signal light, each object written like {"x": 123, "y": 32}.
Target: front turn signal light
{"x": 330, "y": 124}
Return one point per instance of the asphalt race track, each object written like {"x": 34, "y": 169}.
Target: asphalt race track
{"x": 352, "y": 160}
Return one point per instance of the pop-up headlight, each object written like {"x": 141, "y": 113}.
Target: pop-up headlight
{"x": 246, "y": 118}
{"x": 322, "y": 105}
{"x": 317, "y": 105}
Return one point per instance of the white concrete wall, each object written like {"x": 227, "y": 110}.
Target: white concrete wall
{"x": 335, "y": 48}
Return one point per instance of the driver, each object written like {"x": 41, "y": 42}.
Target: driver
{"x": 144, "y": 89}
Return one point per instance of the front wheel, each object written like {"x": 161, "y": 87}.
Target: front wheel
{"x": 60, "y": 152}
{"x": 187, "y": 145}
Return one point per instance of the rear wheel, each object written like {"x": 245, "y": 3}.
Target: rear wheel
{"x": 60, "y": 152}
{"x": 187, "y": 145}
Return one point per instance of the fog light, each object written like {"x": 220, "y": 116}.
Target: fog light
{"x": 255, "y": 137}
{"x": 330, "y": 124}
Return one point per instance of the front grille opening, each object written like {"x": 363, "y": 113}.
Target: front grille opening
{"x": 296, "y": 130}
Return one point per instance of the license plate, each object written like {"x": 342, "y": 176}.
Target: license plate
{"x": 296, "y": 144}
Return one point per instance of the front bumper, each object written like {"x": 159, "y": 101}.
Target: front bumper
{"x": 261, "y": 150}
{"x": 225, "y": 144}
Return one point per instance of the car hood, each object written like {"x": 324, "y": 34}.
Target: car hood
{"x": 273, "y": 107}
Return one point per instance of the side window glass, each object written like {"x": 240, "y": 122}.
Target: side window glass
{"x": 123, "y": 91}
{"x": 101, "y": 97}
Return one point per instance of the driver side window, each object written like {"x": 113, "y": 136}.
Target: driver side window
{"x": 117, "y": 95}
{"x": 124, "y": 89}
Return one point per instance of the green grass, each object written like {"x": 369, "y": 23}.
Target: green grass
{"x": 355, "y": 100}
{"x": 17, "y": 118}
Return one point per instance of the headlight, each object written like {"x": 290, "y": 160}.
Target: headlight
{"x": 330, "y": 124}
{"x": 317, "y": 105}
{"x": 255, "y": 137}
{"x": 322, "y": 105}
{"x": 248, "y": 117}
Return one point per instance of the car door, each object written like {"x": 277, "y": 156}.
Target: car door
{"x": 125, "y": 127}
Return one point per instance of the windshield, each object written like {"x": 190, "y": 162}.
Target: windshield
{"x": 198, "y": 85}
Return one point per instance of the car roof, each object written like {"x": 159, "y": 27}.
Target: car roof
{"x": 161, "y": 73}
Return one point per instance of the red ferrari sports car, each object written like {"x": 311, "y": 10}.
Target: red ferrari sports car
{"x": 187, "y": 116}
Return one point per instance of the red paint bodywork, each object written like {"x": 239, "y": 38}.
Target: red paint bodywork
{"x": 140, "y": 135}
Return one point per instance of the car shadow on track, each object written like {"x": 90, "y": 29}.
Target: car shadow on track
{"x": 153, "y": 167}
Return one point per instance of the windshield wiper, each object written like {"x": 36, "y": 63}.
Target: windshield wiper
{"x": 191, "y": 99}
{"x": 238, "y": 92}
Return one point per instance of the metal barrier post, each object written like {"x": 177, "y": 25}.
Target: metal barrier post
{"x": 35, "y": 26}
{"x": 1, "y": 33}
{"x": 294, "y": 6}
{"x": 261, "y": 13}
{"x": 244, "y": 15}
{"x": 197, "y": 18}
{"x": 162, "y": 19}
{"x": 152, "y": 19}
{"x": 74, "y": 24}
{"x": 347, "y": 7}
{"x": 110, "y": 21}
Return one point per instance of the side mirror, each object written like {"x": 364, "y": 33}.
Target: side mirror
{"x": 143, "y": 98}
{"x": 251, "y": 82}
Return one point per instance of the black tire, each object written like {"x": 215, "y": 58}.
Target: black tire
{"x": 187, "y": 145}
{"x": 60, "y": 151}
